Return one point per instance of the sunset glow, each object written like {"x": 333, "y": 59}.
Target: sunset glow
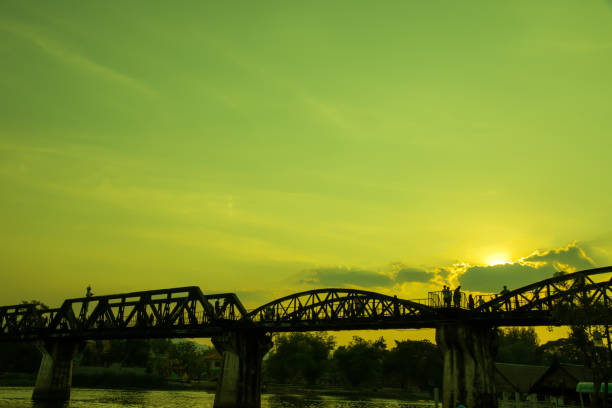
{"x": 273, "y": 147}
{"x": 496, "y": 259}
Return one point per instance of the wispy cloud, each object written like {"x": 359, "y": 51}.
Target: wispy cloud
{"x": 70, "y": 57}
{"x": 322, "y": 110}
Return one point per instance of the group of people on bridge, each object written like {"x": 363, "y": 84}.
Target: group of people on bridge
{"x": 452, "y": 298}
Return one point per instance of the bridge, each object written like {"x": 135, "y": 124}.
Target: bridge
{"x": 465, "y": 335}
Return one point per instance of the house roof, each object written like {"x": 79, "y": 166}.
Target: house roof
{"x": 579, "y": 372}
{"x": 517, "y": 377}
{"x": 561, "y": 378}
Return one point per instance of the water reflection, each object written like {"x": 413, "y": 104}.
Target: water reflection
{"x": 19, "y": 397}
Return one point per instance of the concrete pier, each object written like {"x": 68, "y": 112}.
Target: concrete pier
{"x": 469, "y": 365}
{"x": 239, "y": 385}
{"x": 54, "y": 377}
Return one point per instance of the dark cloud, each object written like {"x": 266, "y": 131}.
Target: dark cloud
{"x": 493, "y": 278}
{"x": 346, "y": 277}
{"x": 412, "y": 275}
{"x": 570, "y": 256}
{"x": 537, "y": 266}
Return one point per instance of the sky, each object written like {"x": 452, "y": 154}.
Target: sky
{"x": 270, "y": 147}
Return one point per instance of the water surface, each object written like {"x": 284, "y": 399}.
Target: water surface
{"x": 19, "y": 397}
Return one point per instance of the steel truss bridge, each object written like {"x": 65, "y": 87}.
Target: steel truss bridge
{"x": 188, "y": 312}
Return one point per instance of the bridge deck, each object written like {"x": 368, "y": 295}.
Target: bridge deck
{"x": 187, "y": 312}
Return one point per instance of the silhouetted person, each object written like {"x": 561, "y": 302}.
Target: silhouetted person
{"x": 217, "y": 308}
{"x": 446, "y": 296}
{"x": 480, "y": 301}
{"x": 504, "y": 292}
{"x": 457, "y": 296}
{"x": 471, "y": 302}
{"x": 85, "y": 305}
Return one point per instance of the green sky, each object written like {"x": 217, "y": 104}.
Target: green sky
{"x": 266, "y": 147}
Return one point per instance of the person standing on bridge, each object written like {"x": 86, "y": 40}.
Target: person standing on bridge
{"x": 505, "y": 292}
{"x": 446, "y": 296}
{"x": 457, "y": 297}
{"x": 85, "y": 306}
{"x": 471, "y": 302}
{"x": 480, "y": 301}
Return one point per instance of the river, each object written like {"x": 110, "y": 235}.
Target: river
{"x": 19, "y": 397}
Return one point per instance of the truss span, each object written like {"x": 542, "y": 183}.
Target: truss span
{"x": 579, "y": 290}
{"x": 340, "y": 309}
{"x": 177, "y": 312}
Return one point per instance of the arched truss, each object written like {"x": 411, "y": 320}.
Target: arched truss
{"x": 336, "y": 308}
{"x": 158, "y": 312}
{"x": 578, "y": 289}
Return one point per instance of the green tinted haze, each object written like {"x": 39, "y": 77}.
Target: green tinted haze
{"x": 266, "y": 147}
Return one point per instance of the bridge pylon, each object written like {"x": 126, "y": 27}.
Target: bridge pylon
{"x": 54, "y": 377}
{"x": 239, "y": 385}
{"x": 469, "y": 364}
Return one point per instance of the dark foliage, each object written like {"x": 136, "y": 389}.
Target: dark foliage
{"x": 299, "y": 357}
{"x": 414, "y": 362}
{"x": 361, "y": 362}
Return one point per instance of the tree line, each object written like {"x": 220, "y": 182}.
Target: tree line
{"x": 308, "y": 358}
{"x": 312, "y": 358}
{"x": 160, "y": 357}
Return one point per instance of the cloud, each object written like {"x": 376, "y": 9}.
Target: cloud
{"x": 493, "y": 278}
{"x": 537, "y": 266}
{"x": 340, "y": 276}
{"x": 413, "y": 275}
{"x": 570, "y": 258}
{"x": 395, "y": 274}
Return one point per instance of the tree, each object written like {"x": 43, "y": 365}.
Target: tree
{"x": 561, "y": 350}
{"x": 189, "y": 358}
{"x": 519, "y": 345}
{"x": 299, "y": 357}
{"x": 414, "y": 362}
{"x": 361, "y": 361}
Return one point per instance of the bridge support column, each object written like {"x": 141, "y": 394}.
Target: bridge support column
{"x": 55, "y": 373}
{"x": 239, "y": 384}
{"x": 469, "y": 365}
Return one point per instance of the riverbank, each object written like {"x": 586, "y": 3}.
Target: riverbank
{"x": 116, "y": 380}
{"x": 341, "y": 391}
{"x": 104, "y": 378}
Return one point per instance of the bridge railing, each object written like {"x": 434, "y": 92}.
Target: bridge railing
{"x": 437, "y": 300}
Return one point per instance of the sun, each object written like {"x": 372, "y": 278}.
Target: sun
{"x": 496, "y": 259}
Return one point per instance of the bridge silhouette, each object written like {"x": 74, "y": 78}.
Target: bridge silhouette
{"x": 242, "y": 336}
